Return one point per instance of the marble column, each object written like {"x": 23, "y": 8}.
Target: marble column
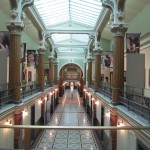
{"x": 51, "y": 69}
{"x": 97, "y": 51}
{"x": 60, "y": 86}
{"x": 18, "y": 132}
{"x": 14, "y": 60}
{"x": 43, "y": 110}
{"x": 81, "y": 87}
{"x": 41, "y": 53}
{"x": 113, "y": 122}
{"x": 55, "y": 72}
{"x": 89, "y": 73}
{"x": 118, "y": 61}
{"x": 85, "y": 73}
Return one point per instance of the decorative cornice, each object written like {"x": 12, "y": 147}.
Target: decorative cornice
{"x": 119, "y": 29}
{"x": 117, "y": 8}
{"x": 41, "y": 51}
{"x": 51, "y": 56}
{"x": 89, "y": 57}
{"x": 15, "y": 28}
{"x": 98, "y": 49}
{"x": 26, "y": 3}
{"x": 108, "y": 4}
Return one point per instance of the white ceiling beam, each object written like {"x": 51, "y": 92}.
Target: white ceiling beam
{"x": 52, "y": 31}
{"x": 71, "y": 46}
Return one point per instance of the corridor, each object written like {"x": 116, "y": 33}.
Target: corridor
{"x": 69, "y": 112}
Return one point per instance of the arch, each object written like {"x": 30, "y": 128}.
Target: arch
{"x": 69, "y": 65}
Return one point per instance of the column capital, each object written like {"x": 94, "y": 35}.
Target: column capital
{"x": 15, "y": 28}
{"x": 98, "y": 49}
{"x": 119, "y": 29}
{"x": 41, "y": 51}
{"x": 41, "y": 48}
{"x": 51, "y": 56}
{"x": 15, "y": 25}
{"x": 91, "y": 36}
{"x": 89, "y": 57}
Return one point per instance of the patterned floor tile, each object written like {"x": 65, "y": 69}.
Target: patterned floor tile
{"x": 68, "y": 113}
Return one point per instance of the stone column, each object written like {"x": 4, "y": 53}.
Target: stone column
{"x": 60, "y": 86}
{"x": 18, "y": 132}
{"x": 89, "y": 76}
{"x": 55, "y": 72}
{"x": 113, "y": 122}
{"x": 81, "y": 87}
{"x": 15, "y": 27}
{"x": 85, "y": 73}
{"x": 14, "y": 59}
{"x": 118, "y": 29}
{"x": 118, "y": 61}
{"x": 51, "y": 69}
{"x": 97, "y": 51}
{"x": 43, "y": 110}
{"x": 41, "y": 53}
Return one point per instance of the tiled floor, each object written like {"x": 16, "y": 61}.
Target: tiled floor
{"x": 69, "y": 112}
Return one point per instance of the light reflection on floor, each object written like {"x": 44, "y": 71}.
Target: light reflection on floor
{"x": 69, "y": 112}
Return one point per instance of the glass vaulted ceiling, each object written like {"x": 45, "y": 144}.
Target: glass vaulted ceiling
{"x": 79, "y": 13}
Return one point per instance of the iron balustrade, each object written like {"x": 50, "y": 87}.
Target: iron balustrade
{"x": 6, "y": 97}
{"x": 27, "y": 90}
{"x": 105, "y": 89}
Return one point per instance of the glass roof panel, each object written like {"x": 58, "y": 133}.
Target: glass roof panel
{"x": 83, "y": 37}
{"x": 48, "y": 9}
{"x": 79, "y": 12}
{"x": 60, "y": 37}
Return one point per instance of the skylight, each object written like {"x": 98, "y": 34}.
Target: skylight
{"x": 54, "y": 12}
{"x": 69, "y": 15}
{"x": 57, "y": 38}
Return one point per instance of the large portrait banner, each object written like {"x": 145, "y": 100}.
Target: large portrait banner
{"x": 31, "y": 58}
{"x": 133, "y": 42}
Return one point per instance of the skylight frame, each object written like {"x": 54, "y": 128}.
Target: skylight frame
{"x": 82, "y": 13}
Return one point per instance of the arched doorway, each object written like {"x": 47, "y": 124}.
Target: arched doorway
{"x": 70, "y": 73}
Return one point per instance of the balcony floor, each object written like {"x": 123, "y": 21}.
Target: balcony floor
{"x": 69, "y": 112}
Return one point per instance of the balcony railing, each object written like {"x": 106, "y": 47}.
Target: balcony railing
{"x": 105, "y": 89}
{"x": 27, "y": 89}
{"x": 28, "y": 130}
{"x": 6, "y": 97}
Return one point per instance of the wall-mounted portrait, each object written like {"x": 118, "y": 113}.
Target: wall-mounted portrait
{"x": 31, "y": 58}
{"x": 107, "y": 60}
{"x": 22, "y": 51}
{"x": 133, "y": 42}
{"x": 4, "y": 41}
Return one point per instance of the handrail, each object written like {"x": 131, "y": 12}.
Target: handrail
{"x": 78, "y": 127}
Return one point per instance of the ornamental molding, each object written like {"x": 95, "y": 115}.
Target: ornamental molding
{"x": 41, "y": 51}
{"x": 98, "y": 49}
{"x": 117, "y": 8}
{"x": 16, "y": 13}
{"x": 51, "y": 57}
{"x": 119, "y": 29}
{"x": 89, "y": 57}
{"x": 15, "y": 28}
{"x": 108, "y": 4}
{"x": 26, "y": 3}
